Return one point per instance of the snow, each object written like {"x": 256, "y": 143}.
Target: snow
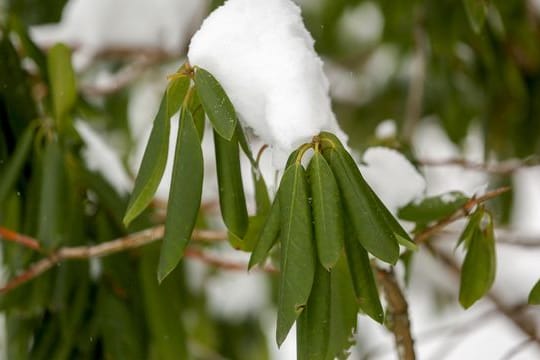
{"x": 392, "y": 177}
{"x": 93, "y": 25}
{"x": 386, "y": 129}
{"x": 261, "y": 53}
{"x": 101, "y": 157}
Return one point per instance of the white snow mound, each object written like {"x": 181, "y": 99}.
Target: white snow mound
{"x": 261, "y": 53}
{"x": 392, "y": 177}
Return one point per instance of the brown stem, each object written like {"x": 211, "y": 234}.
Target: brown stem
{"x": 398, "y": 315}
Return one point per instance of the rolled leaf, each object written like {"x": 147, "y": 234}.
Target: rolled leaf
{"x": 231, "y": 189}
{"x": 297, "y": 250}
{"x": 268, "y": 236}
{"x": 152, "y": 165}
{"x": 216, "y": 103}
{"x": 184, "y": 196}
{"x": 327, "y": 213}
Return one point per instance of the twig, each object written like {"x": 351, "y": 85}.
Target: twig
{"x": 19, "y": 238}
{"x": 515, "y": 350}
{"x": 523, "y": 324}
{"x": 507, "y": 167}
{"x": 428, "y": 232}
{"x": 398, "y": 315}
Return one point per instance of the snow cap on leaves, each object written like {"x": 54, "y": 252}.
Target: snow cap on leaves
{"x": 261, "y": 53}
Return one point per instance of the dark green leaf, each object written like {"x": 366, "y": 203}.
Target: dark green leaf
{"x": 268, "y": 236}
{"x": 297, "y": 251}
{"x": 534, "y": 296}
{"x": 184, "y": 196}
{"x": 433, "y": 208}
{"x": 197, "y": 112}
{"x": 152, "y": 165}
{"x": 343, "y": 311}
{"x": 231, "y": 189}
{"x": 313, "y": 325}
{"x": 51, "y": 226}
{"x": 248, "y": 242}
{"x": 472, "y": 226}
{"x": 362, "y": 276}
{"x": 216, "y": 103}
{"x": 327, "y": 213}
{"x": 63, "y": 83}
{"x": 176, "y": 92}
{"x": 476, "y": 12}
{"x": 367, "y": 217}
{"x": 15, "y": 164}
{"x": 479, "y": 266}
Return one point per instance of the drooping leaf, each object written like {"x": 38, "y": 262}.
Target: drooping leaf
{"x": 472, "y": 226}
{"x": 231, "y": 190}
{"x": 534, "y": 295}
{"x": 184, "y": 195}
{"x": 297, "y": 250}
{"x": 163, "y": 305}
{"x": 197, "y": 112}
{"x": 176, "y": 92}
{"x": 52, "y": 224}
{"x": 479, "y": 266}
{"x": 14, "y": 166}
{"x": 327, "y": 213}
{"x": 250, "y": 239}
{"x": 152, "y": 165}
{"x": 343, "y": 311}
{"x": 433, "y": 208}
{"x": 313, "y": 325}
{"x": 369, "y": 223}
{"x": 268, "y": 236}
{"x": 63, "y": 83}
{"x": 476, "y": 12}
{"x": 216, "y": 103}
{"x": 362, "y": 277}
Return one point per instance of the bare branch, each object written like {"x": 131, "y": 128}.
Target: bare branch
{"x": 507, "y": 167}
{"x": 398, "y": 315}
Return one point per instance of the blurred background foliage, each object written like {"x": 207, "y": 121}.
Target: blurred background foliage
{"x": 466, "y": 64}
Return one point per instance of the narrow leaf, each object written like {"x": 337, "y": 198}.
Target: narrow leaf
{"x": 152, "y": 165}
{"x": 176, "y": 92}
{"x": 476, "y": 12}
{"x": 313, "y": 325}
{"x": 472, "y": 226}
{"x": 433, "y": 208}
{"x": 184, "y": 196}
{"x": 268, "y": 236}
{"x": 13, "y": 168}
{"x": 534, "y": 296}
{"x": 369, "y": 223}
{"x": 62, "y": 82}
{"x": 197, "y": 112}
{"x": 231, "y": 190}
{"x": 363, "y": 279}
{"x": 327, "y": 213}
{"x": 478, "y": 271}
{"x": 216, "y": 103}
{"x": 297, "y": 251}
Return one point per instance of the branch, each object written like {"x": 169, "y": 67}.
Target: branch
{"x": 507, "y": 167}
{"x": 398, "y": 315}
{"x": 428, "y": 232}
{"x": 520, "y": 322}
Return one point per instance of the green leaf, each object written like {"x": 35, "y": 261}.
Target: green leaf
{"x": 472, "y": 226}
{"x": 51, "y": 227}
{"x": 268, "y": 236}
{"x": 197, "y": 112}
{"x": 313, "y": 325}
{"x": 433, "y": 208}
{"x": 367, "y": 216}
{"x": 216, "y": 103}
{"x": 327, "y": 214}
{"x": 231, "y": 189}
{"x": 362, "y": 276}
{"x": 343, "y": 311}
{"x": 476, "y": 12}
{"x": 184, "y": 196}
{"x": 163, "y": 309}
{"x": 249, "y": 241}
{"x": 479, "y": 266}
{"x": 176, "y": 92}
{"x": 297, "y": 251}
{"x": 15, "y": 164}
{"x": 63, "y": 83}
{"x": 152, "y": 165}
{"x": 534, "y": 296}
